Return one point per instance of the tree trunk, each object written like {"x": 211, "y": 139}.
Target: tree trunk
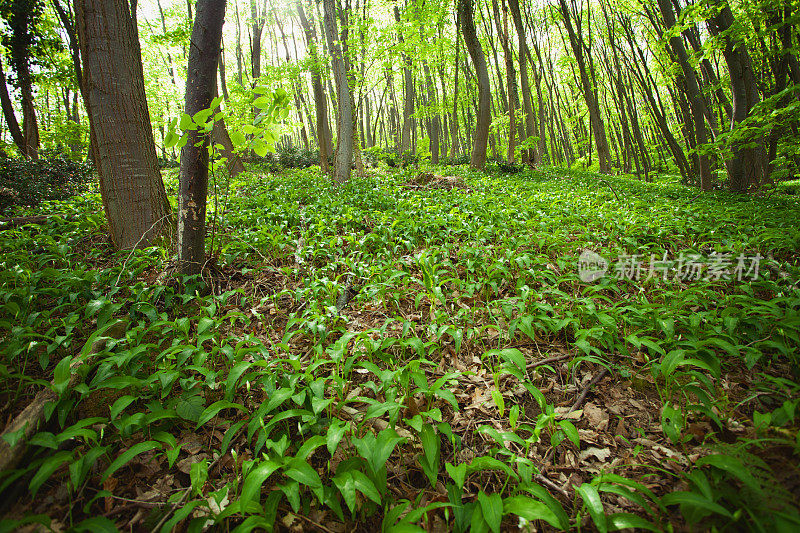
{"x": 408, "y": 89}
{"x": 530, "y": 127}
{"x": 696, "y": 102}
{"x": 748, "y": 164}
{"x": 320, "y": 101}
{"x": 589, "y": 92}
{"x": 200, "y": 88}
{"x": 122, "y": 143}
{"x": 344, "y": 122}
{"x": 10, "y": 116}
{"x": 478, "y": 156}
{"x": 454, "y": 120}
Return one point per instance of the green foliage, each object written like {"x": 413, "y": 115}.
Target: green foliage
{"x": 28, "y": 182}
{"x": 301, "y": 407}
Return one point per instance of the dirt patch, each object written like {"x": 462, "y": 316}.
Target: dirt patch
{"x": 428, "y": 180}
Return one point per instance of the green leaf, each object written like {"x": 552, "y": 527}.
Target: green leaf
{"x": 204, "y": 325}
{"x": 457, "y": 472}
{"x": 733, "y": 466}
{"x": 492, "y": 508}
{"x": 13, "y": 437}
{"x": 543, "y": 495}
{"x": 277, "y": 398}
{"x": 186, "y": 123}
{"x": 190, "y": 407}
{"x": 47, "y": 469}
{"x": 212, "y": 410}
{"x": 237, "y": 138}
{"x": 366, "y": 486}
{"x": 335, "y": 433}
{"x": 571, "y": 432}
{"x": 430, "y": 447}
{"x": 96, "y": 524}
{"x": 530, "y": 510}
{"x": 694, "y": 500}
{"x": 304, "y": 473}
{"x": 198, "y": 474}
{"x": 260, "y": 148}
{"x": 119, "y": 405}
{"x": 591, "y": 499}
{"x": 619, "y": 521}
{"x": 347, "y": 488}
{"x": 129, "y": 454}
{"x": 512, "y": 356}
{"x": 255, "y": 478}
{"x": 61, "y": 375}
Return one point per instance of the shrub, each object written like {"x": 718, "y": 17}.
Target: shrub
{"x": 28, "y": 182}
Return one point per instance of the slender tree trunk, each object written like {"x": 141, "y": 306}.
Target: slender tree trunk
{"x": 696, "y": 101}
{"x": 527, "y": 155}
{"x": 320, "y": 101}
{"x": 200, "y": 88}
{"x": 589, "y": 91}
{"x": 478, "y": 156}
{"x": 10, "y": 116}
{"x": 122, "y": 143}
{"x": 344, "y": 123}
{"x": 454, "y": 120}
{"x": 408, "y": 89}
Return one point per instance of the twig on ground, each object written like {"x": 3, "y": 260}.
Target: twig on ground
{"x": 587, "y": 388}
{"x": 549, "y": 484}
{"x": 549, "y": 360}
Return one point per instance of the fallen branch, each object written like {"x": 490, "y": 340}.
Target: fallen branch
{"x": 549, "y": 484}
{"x": 15, "y": 222}
{"x": 549, "y": 360}
{"x": 595, "y": 380}
{"x": 31, "y": 418}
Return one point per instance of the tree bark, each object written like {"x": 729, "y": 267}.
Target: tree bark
{"x": 483, "y": 120}
{"x": 122, "y": 143}
{"x": 200, "y": 89}
{"x": 10, "y": 116}
{"x": 696, "y": 101}
{"x": 589, "y": 92}
{"x": 344, "y": 122}
{"x": 320, "y": 101}
{"x": 748, "y": 164}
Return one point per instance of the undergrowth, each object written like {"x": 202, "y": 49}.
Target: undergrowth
{"x": 385, "y": 357}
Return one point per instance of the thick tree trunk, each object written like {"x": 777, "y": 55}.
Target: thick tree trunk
{"x": 123, "y": 149}
{"x": 748, "y": 164}
{"x": 696, "y": 101}
{"x": 200, "y": 89}
{"x": 344, "y": 122}
{"x": 478, "y": 156}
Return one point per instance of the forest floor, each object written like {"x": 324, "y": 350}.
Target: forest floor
{"x": 410, "y": 351}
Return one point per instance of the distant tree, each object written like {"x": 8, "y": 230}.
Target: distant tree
{"x": 580, "y": 49}
{"x": 200, "y": 89}
{"x": 121, "y": 137}
{"x": 23, "y": 39}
